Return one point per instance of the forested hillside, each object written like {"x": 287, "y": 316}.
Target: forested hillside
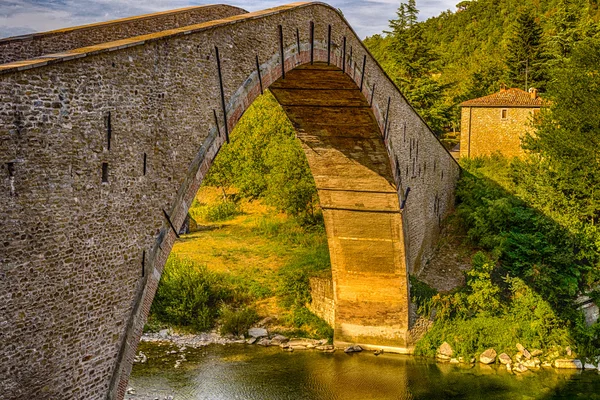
{"x": 469, "y": 53}
{"x": 536, "y": 219}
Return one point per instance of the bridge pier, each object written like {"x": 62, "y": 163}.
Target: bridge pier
{"x": 351, "y": 167}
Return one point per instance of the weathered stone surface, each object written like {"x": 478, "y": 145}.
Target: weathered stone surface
{"x": 536, "y": 353}
{"x": 484, "y": 131}
{"x": 263, "y": 342}
{"x": 589, "y": 366}
{"x": 323, "y": 303}
{"x": 445, "y": 350}
{"x": 523, "y": 351}
{"x": 568, "y": 363}
{"x": 530, "y": 364}
{"x": 37, "y": 44}
{"x": 79, "y": 281}
{"x": 519, "y": 368}
{"x": 488, "y": 356}
{"x": 504, "y": 358}
{"x": 278, "y": 340}
{"x": 353, "y": 349}
{"x": 257, "y": 332}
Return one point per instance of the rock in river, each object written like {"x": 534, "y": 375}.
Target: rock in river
{"x": 504, "y": 358}
{"x": 488, "y": 356}
{"x": 257, "y": 332}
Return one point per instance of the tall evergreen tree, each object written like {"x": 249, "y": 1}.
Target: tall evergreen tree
{"x": 524, "y": 59}
{"x": 563, "y": 29}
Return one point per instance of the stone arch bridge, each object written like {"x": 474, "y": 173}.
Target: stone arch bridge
{"x": 106, "y": 132}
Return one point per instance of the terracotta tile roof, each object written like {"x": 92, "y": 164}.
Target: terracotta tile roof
{"x": 512, "y": 97}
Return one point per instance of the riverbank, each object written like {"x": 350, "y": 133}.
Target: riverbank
{"x": 521, "y": 361}
{"x": 265, "y": 373}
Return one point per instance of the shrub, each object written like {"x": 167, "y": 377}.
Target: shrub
{"x": 221, "y": 211}
{"x": 238, "y": 321}
{"x": 189, "y": 295}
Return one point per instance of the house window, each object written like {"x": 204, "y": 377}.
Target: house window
{"x": 504, "y": 113}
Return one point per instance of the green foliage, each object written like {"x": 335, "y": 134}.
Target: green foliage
{"x": 461, "y": 55}
{"x": 237, "y": 322}
{"x": 308, "y": 324}
{"x": 265, "y": 161}
{"x": 420, "y": 295}
{"x": 294, "y": 287}
{"x": 565, "y": 146}
{"x": 220, "y": 211}
{"x": 524, "y": 59}
{"x": 470, "y": 325}
{"x": 189, "y": 295}
{"x": 524, "y": 291}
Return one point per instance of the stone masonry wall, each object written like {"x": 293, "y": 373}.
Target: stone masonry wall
{"x": 77, "y": 281}
{"x": 322, "y": 304}
{"x": 38, "y": 44}
{"x": 483, "y": 131}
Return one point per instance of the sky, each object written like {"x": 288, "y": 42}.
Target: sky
{"x": 19, "y": 17}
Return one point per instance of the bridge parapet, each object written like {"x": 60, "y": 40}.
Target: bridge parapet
{"x": 24, "y": 47}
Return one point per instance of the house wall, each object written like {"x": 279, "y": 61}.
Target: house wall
{"x": 483, "y": 131}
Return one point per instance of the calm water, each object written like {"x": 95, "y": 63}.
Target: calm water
{"x": 252, "y": 372}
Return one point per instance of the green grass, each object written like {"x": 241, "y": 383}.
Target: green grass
{"x": 255, "y": 265}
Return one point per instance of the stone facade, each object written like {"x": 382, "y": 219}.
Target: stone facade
{"x": 496, "y": 123}
{"x": 322, "y": 304}
{"x": 96, "y": 141}
{"x": 23, "y": 47}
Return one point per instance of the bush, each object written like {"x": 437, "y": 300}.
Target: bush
{"x": 421, "y": 295}
{"x": 221, "y": 211}
{"x": 189, "y": 295}
{"x": 237, "y": 322}
{"x": 527, "y": 318}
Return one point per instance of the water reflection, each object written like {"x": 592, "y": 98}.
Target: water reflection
{"x": 252, "y": 372}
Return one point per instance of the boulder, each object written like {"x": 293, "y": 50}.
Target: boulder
{"x": 257, "y": 332}
{"x": 278, "y": 340}
{"x": 264, "y": 342}
{"x": 589, "y": 366}
{"x": 454, "y": 361}
{"x": 445, "y": 350}
{"x": 524, "y": 351}
{"x": 353, "y": 349}
{"x": 504, "y": 358}
{"x": 520, "y": 368}
{"x": 530, "y": 364}
{"x": 536, "y": 353}
{"x": 567, "y": 363}
{"x": 252, "y": 340}
{"x": 488, "y": 356}
{"x": 519, "y": 357}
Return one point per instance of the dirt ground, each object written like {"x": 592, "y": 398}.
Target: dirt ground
{"x": 445, "y": 270}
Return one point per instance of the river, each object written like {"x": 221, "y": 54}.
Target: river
{"x": 255, "y": 373}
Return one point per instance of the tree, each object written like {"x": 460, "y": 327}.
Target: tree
{"x": 524, "y": 60}
{"x": 264, "y": 160}
{"x": 563, "y": 29}
{"x": 565, "y": 145}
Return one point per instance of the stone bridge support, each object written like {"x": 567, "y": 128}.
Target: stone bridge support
{"x": 103, "y": 148}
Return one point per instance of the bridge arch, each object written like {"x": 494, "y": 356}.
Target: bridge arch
{"x": 76, "y": 127}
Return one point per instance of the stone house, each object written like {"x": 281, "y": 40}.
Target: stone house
{"x": 497, "y": 122}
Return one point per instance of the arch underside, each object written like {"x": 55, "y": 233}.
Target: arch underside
{"x": 352, "y": 172}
